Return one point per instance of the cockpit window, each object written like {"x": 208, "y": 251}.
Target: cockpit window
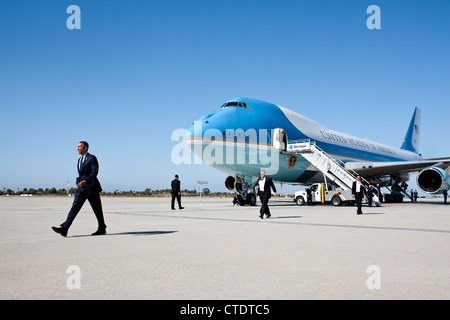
{"x": 234, "y": 104}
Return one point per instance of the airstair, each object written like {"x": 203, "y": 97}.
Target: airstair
{"x": 332, "y": 168}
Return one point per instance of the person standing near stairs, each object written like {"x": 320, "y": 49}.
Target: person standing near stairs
{"x": 358, "y": 192}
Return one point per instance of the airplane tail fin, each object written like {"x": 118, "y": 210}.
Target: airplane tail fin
{"x": 412, "y": 138}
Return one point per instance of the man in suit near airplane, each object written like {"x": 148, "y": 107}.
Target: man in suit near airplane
{"x": 379, "y": 194}
{"x": 176, "y": 193}
{"x": 89, "y": 188}
{"x": 358, "y": 191}
{"x": 309, "y": 196}
{"x": 264, "y": 184}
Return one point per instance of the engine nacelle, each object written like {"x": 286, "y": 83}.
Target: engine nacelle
{"x": 232, "y": 183}
{"x": 432, "y": 180}
{"x": 229, "y": 182}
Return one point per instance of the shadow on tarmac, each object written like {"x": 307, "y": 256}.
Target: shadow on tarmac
{"x": 133, "y": 233}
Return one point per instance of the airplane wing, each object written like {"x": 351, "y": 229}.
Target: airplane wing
{"x": 372, "y": 169}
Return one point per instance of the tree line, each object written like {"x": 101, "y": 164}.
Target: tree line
{"x": 146, "y": 192}
{"x": 33, "y": 191}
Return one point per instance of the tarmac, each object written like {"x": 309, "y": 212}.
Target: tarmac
{"x": 213, "y": 250}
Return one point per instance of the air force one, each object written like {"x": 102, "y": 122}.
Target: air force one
{"x": 245, "y": 136}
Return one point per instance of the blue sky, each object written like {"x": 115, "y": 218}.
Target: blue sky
{"x": 138, "y": 70}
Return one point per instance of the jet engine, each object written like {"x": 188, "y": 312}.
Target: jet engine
{"x": 229, "y": 182}
{"x": 432, "y": 180}
{"x": 232, "y": 183}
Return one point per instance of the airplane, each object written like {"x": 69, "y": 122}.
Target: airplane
{"x": 246, "y": 135}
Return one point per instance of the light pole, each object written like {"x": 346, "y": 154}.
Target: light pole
{"x": 201, "y": 182}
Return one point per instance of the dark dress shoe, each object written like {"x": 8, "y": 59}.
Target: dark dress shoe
{"x": 62, "y": 231}
{"x": 99, "y": 232}
{"x": 181, "y": 208}
{"x": 268, "y": 216}
{"x": 261, "y": 216}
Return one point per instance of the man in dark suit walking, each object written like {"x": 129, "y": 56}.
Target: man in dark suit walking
{"x": 358, "y": 191}
{"x": 89, "y": 188}
{"x": 176, "y": 193}
{"x": 263, "y": 185}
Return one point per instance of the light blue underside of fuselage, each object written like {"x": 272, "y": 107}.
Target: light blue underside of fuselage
{"x": 247, "y": 162}
{"x": 264, "y": 115}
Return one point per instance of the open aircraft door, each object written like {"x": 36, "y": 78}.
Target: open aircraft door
{"x": 279, "y": 141}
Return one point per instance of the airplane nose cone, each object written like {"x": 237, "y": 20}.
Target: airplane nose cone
{"x": 205, "y": 123}
{"x": 195, "y": 130}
